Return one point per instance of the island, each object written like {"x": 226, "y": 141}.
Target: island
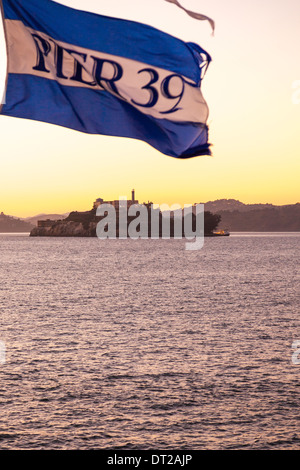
{"x": 84, "y": 224}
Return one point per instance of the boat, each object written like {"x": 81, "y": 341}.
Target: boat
{"x": 221, "y": 233}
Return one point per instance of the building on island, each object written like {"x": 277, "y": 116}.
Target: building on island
{"x": 116, "y": 203}
{"x": 46, "y": 223}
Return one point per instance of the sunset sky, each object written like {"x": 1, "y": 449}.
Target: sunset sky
{"x": 254, "y": 125}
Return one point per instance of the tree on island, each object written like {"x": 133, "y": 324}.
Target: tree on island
{"x": 211, "y": 222}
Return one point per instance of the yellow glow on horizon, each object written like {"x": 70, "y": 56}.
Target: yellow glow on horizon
{"x": 254, "y": 126}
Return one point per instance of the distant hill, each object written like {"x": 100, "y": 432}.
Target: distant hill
{"x": 14, "y": 224}
{"x": 234, "y": 205}
{"x": 34, "y": 220}
{"x": 10, "y": 224}
{"x": 274, "y": 219}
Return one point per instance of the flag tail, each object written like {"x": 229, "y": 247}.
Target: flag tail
{"x": 195, "y": 15}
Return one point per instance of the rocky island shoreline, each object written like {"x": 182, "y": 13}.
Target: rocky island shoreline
{"x": 84, "y": 224}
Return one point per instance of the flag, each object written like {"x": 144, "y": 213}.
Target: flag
{"x": 104, "y": 75}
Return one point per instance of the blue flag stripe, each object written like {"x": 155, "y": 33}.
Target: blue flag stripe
{"x": 110, "y": 35}
{"x": 102, "y": 114}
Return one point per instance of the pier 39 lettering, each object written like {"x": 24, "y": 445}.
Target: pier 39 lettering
{"x": 152, "y": 90}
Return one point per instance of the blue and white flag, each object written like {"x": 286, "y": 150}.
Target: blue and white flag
{"x": 103, "y": 75}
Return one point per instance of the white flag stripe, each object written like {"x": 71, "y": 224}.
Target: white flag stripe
{"x": 22, "y": 58}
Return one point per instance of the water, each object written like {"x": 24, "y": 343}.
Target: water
{"x": 143, "y": 345}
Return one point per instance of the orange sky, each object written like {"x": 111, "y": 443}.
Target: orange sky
{"x": 254, "y": 125}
